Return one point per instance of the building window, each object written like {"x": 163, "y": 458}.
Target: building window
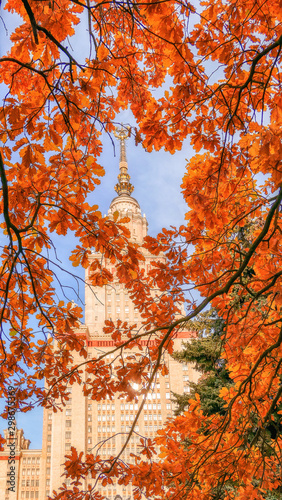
{"x": 68, "y": 412}
{"x": 167, "y": 395}
{"x": 68, "y": 434}
{"x": 49, "y": 449}
{"x": 67, "y": 446}
{"x": 68, "y": 423}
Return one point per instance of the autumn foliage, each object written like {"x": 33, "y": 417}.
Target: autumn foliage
{"x": 217, "y": 67}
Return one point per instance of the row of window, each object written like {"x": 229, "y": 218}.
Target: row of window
{"x": 107, "y": 417}
{"x": 151, "y": 428}
{"x": 130, "y": 406}
{"x": 30, "y": 472}
{"x": 127, "y": 417}
{"x": 30, "y": 482}
{"x": 155, "y": 406}
{"x": 31, "y": 460}
{"x": 126, "y": 309}
{"x": 103, "y": 407}
{"x": 30, "y": 494}
{"x": 110, "y": 452}
{"x": 152, "y": 417}
{"x": 127, "y": 428}
{"x": 105, "y": 428}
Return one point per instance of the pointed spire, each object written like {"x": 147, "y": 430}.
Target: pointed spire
{"x": 123, "y": 186}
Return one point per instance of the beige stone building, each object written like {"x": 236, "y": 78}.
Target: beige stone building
{"x": 88, "y": 425}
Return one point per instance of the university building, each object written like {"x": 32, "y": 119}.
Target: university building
{"x": 97, "y": 426}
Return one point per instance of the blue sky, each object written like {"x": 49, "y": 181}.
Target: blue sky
{"x": 156, "y": 178}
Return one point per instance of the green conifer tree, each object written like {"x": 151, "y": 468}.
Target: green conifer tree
{"x": 204, "y": 352}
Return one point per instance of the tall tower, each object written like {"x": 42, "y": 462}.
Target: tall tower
{"x": 102, "y": 426}
{"x": 112, "y": 302}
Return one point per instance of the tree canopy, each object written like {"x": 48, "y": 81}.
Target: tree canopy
{"x": 217, "y": 68}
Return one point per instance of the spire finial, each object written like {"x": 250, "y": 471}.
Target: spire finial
{"x": 123, "y": 186}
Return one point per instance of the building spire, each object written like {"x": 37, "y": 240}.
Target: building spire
{"x": 123, "y": 186}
